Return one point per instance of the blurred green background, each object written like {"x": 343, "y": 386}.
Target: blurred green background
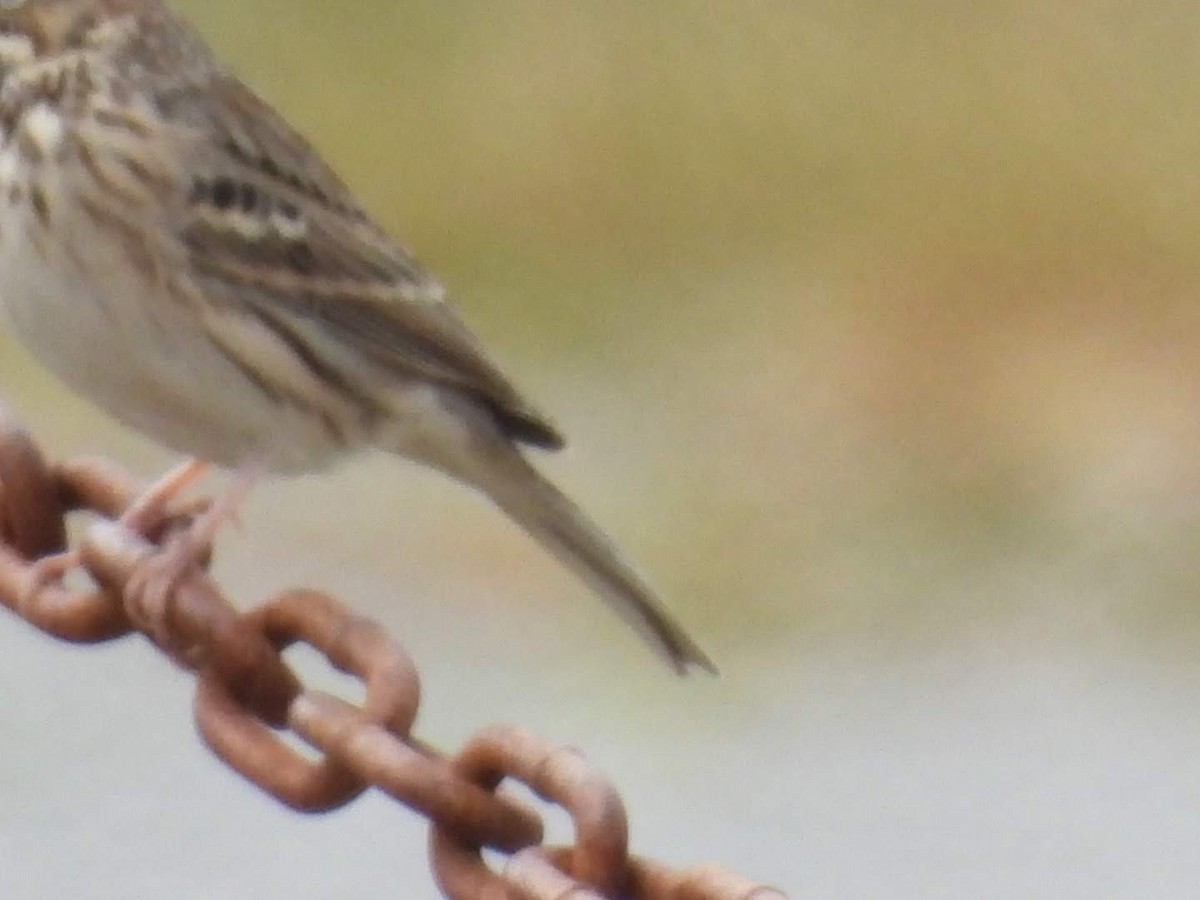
{"x": 864, "y": 320}
{"x": 874, "y": 329}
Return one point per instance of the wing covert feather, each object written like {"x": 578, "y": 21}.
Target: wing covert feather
{"x": 269, "y": 224}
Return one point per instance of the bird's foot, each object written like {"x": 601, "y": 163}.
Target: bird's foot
{"x": 144, "y": 515}
{"x": 148, "y": 510}
{"x": 150, "y": 587}
{"x": 47, "y": 571}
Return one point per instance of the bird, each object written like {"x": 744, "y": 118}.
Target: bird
{"x": 175, "y": 252}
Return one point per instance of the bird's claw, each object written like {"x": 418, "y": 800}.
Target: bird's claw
{"x": 151, "y": 586}
{"x": 48, "y": 570}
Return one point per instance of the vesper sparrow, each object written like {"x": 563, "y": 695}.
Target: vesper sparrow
{"x": 173, "y": 250}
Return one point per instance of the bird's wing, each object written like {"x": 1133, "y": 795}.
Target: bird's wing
{"x": 270, "y": 224}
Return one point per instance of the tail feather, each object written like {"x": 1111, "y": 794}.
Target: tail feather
{"x": 562, "y": 528}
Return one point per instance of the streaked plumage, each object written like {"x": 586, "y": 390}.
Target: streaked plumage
{"x": 172, "y": 249}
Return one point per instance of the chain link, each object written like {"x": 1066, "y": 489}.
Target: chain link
{"x": 246, "y": 696}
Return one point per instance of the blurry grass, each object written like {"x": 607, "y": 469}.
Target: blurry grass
{"x": 891, "y": 311}
{"x": 679, "y": 128}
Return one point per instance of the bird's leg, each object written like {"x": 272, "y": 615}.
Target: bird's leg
{"x": 149, "y": 509}
{"x": 143, "y": 515}
{"x": 154, "y": 580}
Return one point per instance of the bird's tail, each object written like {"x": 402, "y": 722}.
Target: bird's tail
{"x": 562, "y": 528}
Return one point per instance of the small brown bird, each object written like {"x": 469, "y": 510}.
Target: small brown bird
{"x": 174, "y": 251}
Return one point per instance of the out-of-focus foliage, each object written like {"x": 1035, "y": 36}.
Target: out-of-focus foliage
{"x": 886, "y": 315}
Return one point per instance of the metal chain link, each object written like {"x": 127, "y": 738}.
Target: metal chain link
{"x": 246, "y": 695}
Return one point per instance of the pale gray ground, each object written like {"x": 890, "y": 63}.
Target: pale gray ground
{"x": 994, "y": 768}
{"x": 1035, "y": 754}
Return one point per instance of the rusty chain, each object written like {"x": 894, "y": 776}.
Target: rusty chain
{"x": 246, "y": 695}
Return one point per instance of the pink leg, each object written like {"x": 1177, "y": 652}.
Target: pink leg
{"x": 48, "y": 570}
{"x": 151, "y": 585}
{"x": 147, "y": 511}
{"x": 143, "y": 515}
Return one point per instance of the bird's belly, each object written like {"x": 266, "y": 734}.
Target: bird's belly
{"x": 143, "y": 356}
